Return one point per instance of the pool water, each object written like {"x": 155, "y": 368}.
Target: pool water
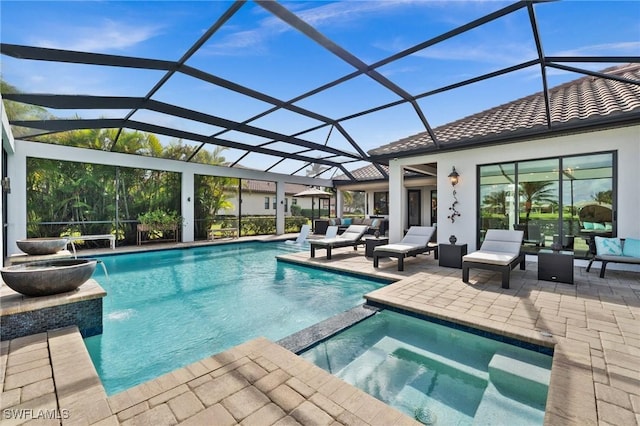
{"x": 438, "y": 374}
{"x": 167, "y": 309}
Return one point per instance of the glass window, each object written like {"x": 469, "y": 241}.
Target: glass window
{"x": 565, "y": 200}
{"x": 266, "y": 203}
{"x": 538, "y": 201}
{"x": 381, "y": 203}
{"x": 497, "y": 197}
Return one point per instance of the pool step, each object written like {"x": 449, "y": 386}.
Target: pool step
{"x": 519, "y": 379}
{"x": 379, "y": 352}
{"x": 497, "y": 409}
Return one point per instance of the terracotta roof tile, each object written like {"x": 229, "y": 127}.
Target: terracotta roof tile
{"x": 587, "y": 98}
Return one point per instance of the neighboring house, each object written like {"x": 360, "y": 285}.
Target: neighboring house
{"x": 516, "y": 160}
{"x": 259, "y": 198}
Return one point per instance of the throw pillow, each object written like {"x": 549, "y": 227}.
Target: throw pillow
{"x": 332, "y": 222}
{"x": 346, "y": 221}
{"x": 598, "y": 226}
{"x": 608, "y": 226}
{"x": 631, "y": 247}
{"x": 375, "y": 223}
{"x": 587, "y": 225}
{"x": 608, "y": 246}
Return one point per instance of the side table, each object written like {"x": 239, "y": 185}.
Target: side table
{"x": 451, "y": 255}
{"x": 555, "y": 266}
{"x": 371, "y": 243}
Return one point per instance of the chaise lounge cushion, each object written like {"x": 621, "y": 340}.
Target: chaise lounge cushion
{"x": 500, "y": 251}
{"x": 415, "y": 242}
{"x": 490, "y": 257}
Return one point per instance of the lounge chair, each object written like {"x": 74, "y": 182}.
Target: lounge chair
{"x": 500, "y": 251}
{"x": 332, "y": 231}
{"x": 351, "y": 237}
{"x": 415, "y": 242}
{"x": 302, "y": 236}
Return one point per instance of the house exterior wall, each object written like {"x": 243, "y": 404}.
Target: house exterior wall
{"x": 253, "y": 204}
{"x": 626, "y": 141}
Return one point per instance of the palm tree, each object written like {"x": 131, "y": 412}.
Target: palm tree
{"x": 603, "y": 197}
{"x": 497, "y": 200}
{"x": 535, "y": 193}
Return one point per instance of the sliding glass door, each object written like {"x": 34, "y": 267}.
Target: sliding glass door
{"x": 566, "y": 200}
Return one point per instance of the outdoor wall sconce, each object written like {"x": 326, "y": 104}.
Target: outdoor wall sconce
{"x": 454, "y": 178}
{"x": 6, "y": 185}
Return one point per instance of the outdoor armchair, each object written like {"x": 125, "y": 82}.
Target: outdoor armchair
{"x": 351, "y": 237}
{"x": 415, "y": 242}
{"x": 500, "y": 251}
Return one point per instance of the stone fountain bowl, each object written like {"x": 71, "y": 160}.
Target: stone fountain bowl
{"x": 48, "y": 277}
{"x": 42, "y": 245}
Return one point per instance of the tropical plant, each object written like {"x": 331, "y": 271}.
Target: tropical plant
{"x": 535, "y": 193}
{"x": 603, "y": 197}
{"x": 160, "y": 219}
{"x": 497, "y": 201}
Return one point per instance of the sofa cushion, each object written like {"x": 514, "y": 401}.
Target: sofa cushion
{"x": 346, "y": 221}
{"x": 631, "y": 247}
{"x": 587, "y": 225}
{"x": 608, "y": 246}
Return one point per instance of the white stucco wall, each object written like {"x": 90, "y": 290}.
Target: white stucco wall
{"x": 8, "y": 146}
{"x": 626, "y": 141}
{"x": 17, "y": 165}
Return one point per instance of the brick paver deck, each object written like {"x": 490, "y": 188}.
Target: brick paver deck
{"x": 594, "y": 326}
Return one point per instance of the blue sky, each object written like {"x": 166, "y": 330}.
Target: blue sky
{"x": 259, "y": 51}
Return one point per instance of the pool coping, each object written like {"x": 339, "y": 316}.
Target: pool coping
{"x": 594, "y": 324}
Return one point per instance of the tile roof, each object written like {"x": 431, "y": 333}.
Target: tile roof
{"x": 365, "y": 173}
{"x": 270, "y": 187}
{"x": 577, "y": 103}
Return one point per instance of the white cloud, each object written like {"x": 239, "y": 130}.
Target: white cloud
{"x": 605, "y": 49}
{"x": 254, "y": 41}
{"x": 108, "y": 35}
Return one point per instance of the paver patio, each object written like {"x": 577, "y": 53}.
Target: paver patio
{"x": 594, "y": 325}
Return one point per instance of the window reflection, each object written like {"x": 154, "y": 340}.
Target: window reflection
{"x": 566, "y": 200}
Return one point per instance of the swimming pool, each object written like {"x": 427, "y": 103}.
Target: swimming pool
{"x": 167, "y": 309}
{"x": 438, "y": 374}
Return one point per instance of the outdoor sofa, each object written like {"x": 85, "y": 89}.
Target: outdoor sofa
{"x": 351, "y": 237}
{"x": 615, "y": 250}
{"x": 415, "y": 242}
{"x": 374, "y": 224}
{"x": 500, "y": 251}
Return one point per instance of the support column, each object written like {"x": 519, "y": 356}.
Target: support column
{"x": 187, "y": 204}
{"x": 280, "y": 214}
{"x": 16, "y": 200}
{"x": 397, "y": 202}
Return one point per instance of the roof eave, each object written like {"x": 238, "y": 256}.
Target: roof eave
{"x": 534, "y": 133}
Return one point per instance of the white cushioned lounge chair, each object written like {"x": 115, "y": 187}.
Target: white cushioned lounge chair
{"x": 302, "y": 236}
{"x": 332, "y": 232}
{"x": 352, "y": 236}
{"x": 500, "y": 251}
{"x": 415, "y": 242}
